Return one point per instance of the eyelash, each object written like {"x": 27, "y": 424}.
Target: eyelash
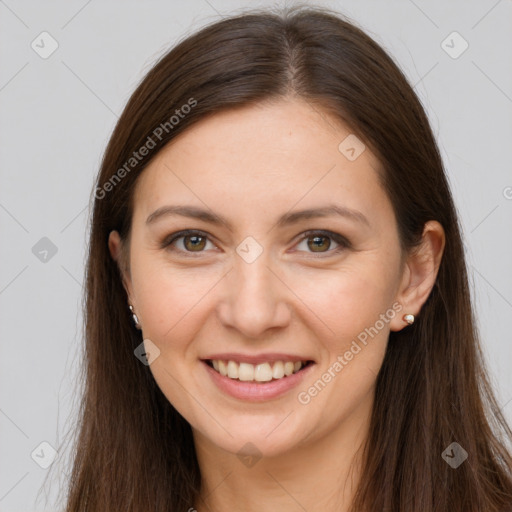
{"x": 340, "y": 240}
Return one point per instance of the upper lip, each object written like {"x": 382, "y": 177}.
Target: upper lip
{"x": 257, "y": 358}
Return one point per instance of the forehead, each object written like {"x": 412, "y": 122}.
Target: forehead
{"x": 260, "y": 156}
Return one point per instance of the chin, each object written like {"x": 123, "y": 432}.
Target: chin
{"x": 257, "y": 438}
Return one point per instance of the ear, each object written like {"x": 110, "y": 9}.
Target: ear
{"x": 420, "y": 273}
{"x": 115, "y": 246}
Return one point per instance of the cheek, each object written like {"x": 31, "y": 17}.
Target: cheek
{"x": 356, "y": 306}
{"x": 338, "y": 304}
{"x": 170, "y": 300}
{"x": 348, "y": 300}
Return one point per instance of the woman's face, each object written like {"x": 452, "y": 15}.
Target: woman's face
{"x": 266, "y": 285}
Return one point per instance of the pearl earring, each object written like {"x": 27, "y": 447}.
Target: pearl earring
{"x": 409, "y": 318}
{"x": 134, "y": 316}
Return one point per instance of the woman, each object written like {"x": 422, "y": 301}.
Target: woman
{"x": 277, "y": 306}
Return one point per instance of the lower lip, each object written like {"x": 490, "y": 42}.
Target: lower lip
{"x": 257, "y": 391}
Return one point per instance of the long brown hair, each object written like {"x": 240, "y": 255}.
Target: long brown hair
{"x": 133, "y": 451}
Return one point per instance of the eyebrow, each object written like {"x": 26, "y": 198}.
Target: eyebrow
{"x": 288, "y": 218}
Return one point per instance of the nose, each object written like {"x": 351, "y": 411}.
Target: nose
{"x": 255, "y": 299}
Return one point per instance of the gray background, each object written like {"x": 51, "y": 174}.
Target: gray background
{"x": 57, "y": 114}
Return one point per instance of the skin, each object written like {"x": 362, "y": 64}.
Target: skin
{"x": 251, "y": 165}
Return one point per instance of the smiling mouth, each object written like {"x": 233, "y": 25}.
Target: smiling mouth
{"x": 264, "y": 372}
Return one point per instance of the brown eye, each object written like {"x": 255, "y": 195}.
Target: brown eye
{"x": 189, "y": 241}
{"x": 321, "y": 242}
{"x": 318, "y": 243}
{"x": 194, "y": 242}
{"x": 186, "y": 242}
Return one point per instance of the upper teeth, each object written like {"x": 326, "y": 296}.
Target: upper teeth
{"x": 256, "y": 372}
